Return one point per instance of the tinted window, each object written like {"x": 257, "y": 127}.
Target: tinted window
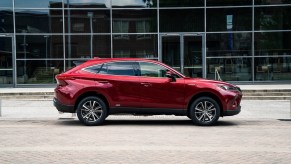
{"x": 152, "y": 70}
{"x": 94, "y": 69}
{"x": 119, "y": 68}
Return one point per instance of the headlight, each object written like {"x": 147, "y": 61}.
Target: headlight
{"x": 228, "y": 88}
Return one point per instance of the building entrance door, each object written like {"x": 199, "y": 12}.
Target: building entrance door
{"x": 6, "y": 62}
{"x": 184, "y": 52}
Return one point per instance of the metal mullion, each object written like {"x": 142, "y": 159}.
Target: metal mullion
{"x": 253, "y": 42}
{"x": 64, "y": 36}
{"x": 14, "y": 57}
{"x": 111, "y": 30}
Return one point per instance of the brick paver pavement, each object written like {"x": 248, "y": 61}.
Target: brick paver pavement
{"x": 129, "y": 139}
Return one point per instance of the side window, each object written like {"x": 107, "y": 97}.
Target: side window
{"x": 152, "y": 70}
{"x": 94, "y": 69}
{"x": 119, "y": 68}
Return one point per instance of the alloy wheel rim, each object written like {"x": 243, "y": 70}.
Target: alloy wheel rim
{"x": 205, "y": 111}
{"x": 91, "y": 111}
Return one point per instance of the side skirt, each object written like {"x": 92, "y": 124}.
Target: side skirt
{"x": 148, "y": 111}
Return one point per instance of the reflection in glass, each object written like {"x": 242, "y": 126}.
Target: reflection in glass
{"x": 6, "y": 21}
{"x": 179, "y": 3}
{"x": 230, "y": 69}
{"x": 87, "y": 46}
{"x": 271, "y": 2}
{"x": 134, "y": 4}
{"x": 171, "y": 51}
{"x": 134, "y": 21}
{"x": 5, "y": 53}
{"x": 229, "y": 44}
{"x": 272, "y": 43}
{"x": 6, "y": 3}
{"x": 228, "y": 2}
{"x": 229, "y": 19}
{"x": 137, "y": 46}
{"x": 181, "y": 20}
{"x": 38, "y": 71}
{"x": 272, "y": 68}
{"x": 39, "y": 46}
{"x": 87, "y": 21}
{"x": 39, "y": 21}
{"x": 74, "y": 62}
{"x": 38, "y": 3}
{"x": 87, "y": 3}
{"x": 273, "y": 18}
{"x": 193, "y": 56}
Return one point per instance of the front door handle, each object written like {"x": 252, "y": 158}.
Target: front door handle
{"x": 146, "y": 84}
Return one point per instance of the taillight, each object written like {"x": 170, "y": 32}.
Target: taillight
{"x": 61, "y": 80}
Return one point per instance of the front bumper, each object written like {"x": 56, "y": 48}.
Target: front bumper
{"x": 62, "y": 107}
{"x": 232, "y": 112}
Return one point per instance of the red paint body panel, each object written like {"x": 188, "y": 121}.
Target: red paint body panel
{"x": 141, "y": 91}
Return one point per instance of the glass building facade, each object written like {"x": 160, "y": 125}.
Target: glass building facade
{"x": 242, "y": 40}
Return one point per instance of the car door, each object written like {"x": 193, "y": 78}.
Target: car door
{"x": 124, "y": 83}
{"x": 158, "y": 91}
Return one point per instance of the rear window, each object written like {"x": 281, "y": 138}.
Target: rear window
{"x": 94, "y": 69}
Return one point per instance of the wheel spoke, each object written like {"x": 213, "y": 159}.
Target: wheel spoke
{"x": 86, "y": 108}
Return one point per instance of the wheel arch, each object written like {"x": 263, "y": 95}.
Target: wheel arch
{"x": 91, "y": 93}
{"x": 205, "y": 94}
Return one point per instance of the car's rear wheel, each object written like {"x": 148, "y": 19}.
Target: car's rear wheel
{"x": 204, "y": 111}
{"x": 92, "y": 111}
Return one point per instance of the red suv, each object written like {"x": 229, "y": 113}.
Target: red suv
{"x": 100, "y": 87}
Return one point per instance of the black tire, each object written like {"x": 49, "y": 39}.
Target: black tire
{"x": 204, "y": 111}
{"x": 92, "y": 111}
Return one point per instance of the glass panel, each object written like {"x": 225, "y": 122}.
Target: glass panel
{"x": 229, "y": 44}
{"x": 6, "y": 76}
{"x": 6, "y": 3}
{"x": 171, "y": 51}
{"x": 38, "y": 3}
{"x": 118, "y": 68}
{"x": 74, "y": 62}
{"x": 140, "y": 46}
{"x": 87, "y": 21}
{"x": 39, "y": 46}
{"x": 272, "y": 44}
{"x": 182, "y": 20}
{"x": 134, "y": 4}
{"x": 273, "y": 68}
{"x": 39, "y": 21}
{"x": 152, "y": 70}
{"x": 134, "y": 21}
{"x": 87, "y": 46}
{"x": 87, "y": 3}
{"x": 6, "y": 21}
{"x": 229, "y": 19}
{"x": 193, "y": 56}
{"x": 273, "y": 18}
{"x": 230, "y": 69}
{"x": 5, "y": 53}
{"x": 179, "y": 3}
{"x": 38, "y": 71}
{"x": 228, "y": 2}
{"x": 271, "y": 2}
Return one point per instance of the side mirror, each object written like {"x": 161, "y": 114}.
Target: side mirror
{"x": 171, "y": 75}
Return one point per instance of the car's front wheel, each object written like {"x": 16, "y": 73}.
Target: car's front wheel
{"x": 204, "y": 111}
{"x": 92, "y": 111}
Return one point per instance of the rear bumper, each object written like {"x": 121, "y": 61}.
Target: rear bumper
{"x": 232, "y": 112}
{"x": 62, "y": 107}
